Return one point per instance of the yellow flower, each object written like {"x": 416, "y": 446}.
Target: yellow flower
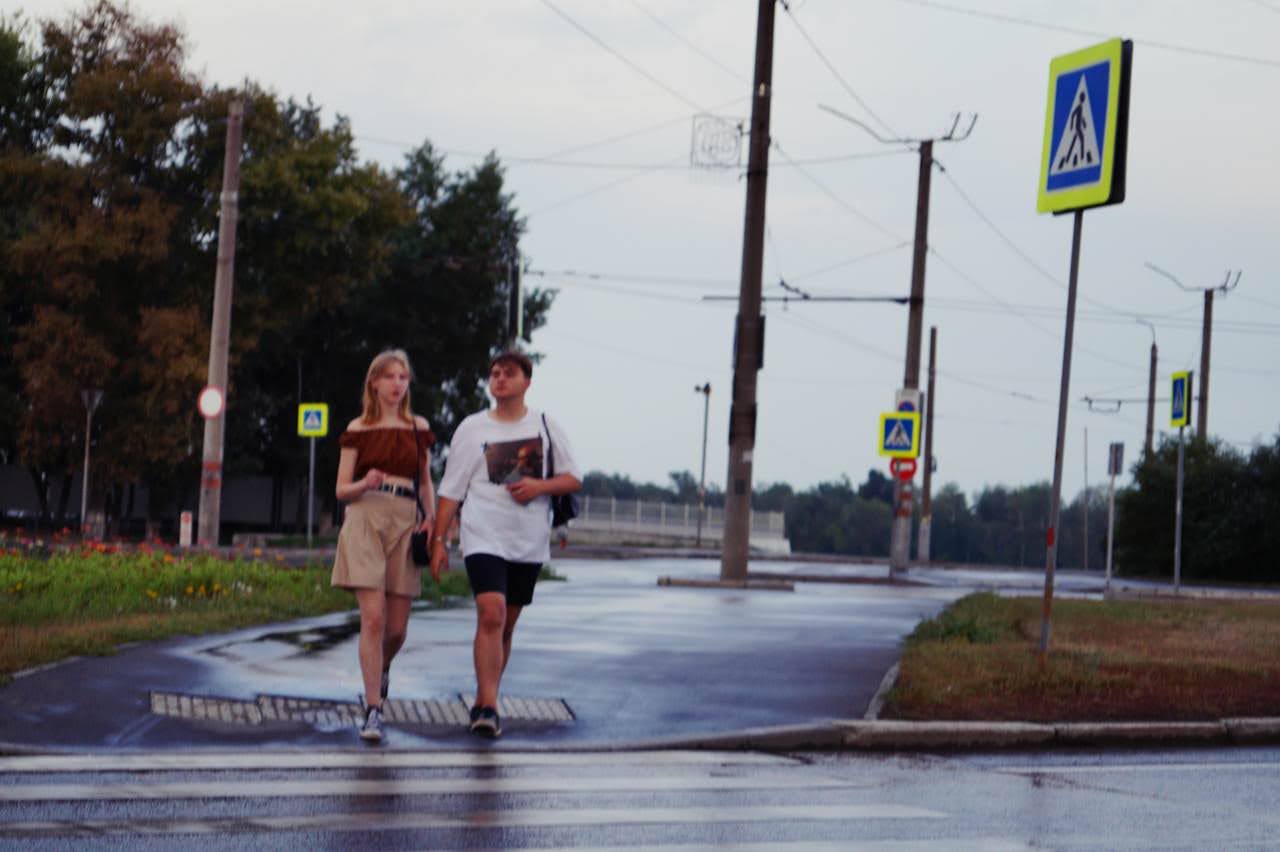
{"x": 257, "y": 551}
{"x": 190, "y": 590}
{"x": 151, "y": 593}
{"x": 169, "y": 560}
{"x": 202, "y": 591}
{"x": 279, "y": 557}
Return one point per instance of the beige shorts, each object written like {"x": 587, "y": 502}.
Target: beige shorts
{"x": 373, "y": 546}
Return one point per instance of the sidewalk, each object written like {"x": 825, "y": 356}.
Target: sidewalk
{"x": 607, "y": 660}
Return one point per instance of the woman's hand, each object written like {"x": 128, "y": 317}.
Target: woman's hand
{"x": 373, "y": 479}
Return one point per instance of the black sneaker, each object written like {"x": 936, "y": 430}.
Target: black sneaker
{"x": 386, "y": 684}
{"x": 371, "y": 730}
{"x": 484, "y": 722}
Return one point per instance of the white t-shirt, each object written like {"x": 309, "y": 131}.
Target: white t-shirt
{"x": 484, "y": 455}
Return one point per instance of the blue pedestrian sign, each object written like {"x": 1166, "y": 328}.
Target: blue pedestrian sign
{"x": 313, "y": 419}
{"x": 900, "y": 434}
{"x": 1180, "y": 405}
{"x": 1086, "y": 128}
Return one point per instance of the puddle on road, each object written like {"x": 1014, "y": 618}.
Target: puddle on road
{"x": 310, "y": 640}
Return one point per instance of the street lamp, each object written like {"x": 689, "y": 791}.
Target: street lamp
{"x": 705, "y": 390}
{"x": 91, "y": 399}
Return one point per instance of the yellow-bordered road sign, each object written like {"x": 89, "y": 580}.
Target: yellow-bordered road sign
{"x": 1180, "y": 400}
{"x": 900, "y": 434}
{"x": 1086, "y": 128}
{"x": 313, "y": 419}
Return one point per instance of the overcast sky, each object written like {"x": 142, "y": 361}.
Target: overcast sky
{"x": 634, "y": 237}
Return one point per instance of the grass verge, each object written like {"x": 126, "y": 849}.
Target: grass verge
{"x": 60, "y": 603}
{"x": 1108, "y": 661}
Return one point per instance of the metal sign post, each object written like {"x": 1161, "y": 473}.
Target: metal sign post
{"x": 1179, "y": 416}
{"x": 1115, "y": 462}
{"x": 1082, "y": 165}
{"x": 313, "y": 422}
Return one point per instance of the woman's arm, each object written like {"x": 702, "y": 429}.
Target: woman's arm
{"x": 347, "y": 490}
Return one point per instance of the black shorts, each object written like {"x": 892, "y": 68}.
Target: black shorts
{"x": 489, "y": 573}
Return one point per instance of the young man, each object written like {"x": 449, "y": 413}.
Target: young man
{"x": 497, "y": 463}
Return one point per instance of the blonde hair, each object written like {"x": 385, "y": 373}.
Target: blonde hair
{"x": 372, "y": 409}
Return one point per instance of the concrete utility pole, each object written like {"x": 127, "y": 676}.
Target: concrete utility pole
{"x": 220, "y": 335}
{"x": 748, "y": 344}
{"x": 1228, "y": 284}
{"x": 91, "y": 399}
{"x": 1151, "y": 392}
{"x": 900, "y": 533}
{"x": 926, "y": 505}
{"x": 705, "y": 390}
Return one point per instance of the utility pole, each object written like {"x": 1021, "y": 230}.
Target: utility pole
{"x": 748, "y": 343}
{"x": 900, "y": 533}
{"x": 515, "y": 305}
{"x": 705, "y": 390}
{"x": 926, "y": 505}
{"x": 1084, "y": 552}
{"x": 1151, "y": 393}
{"x": 220, "y": 334}
{"x": 1228, "y": 284}
{"x": 91, "y": 400}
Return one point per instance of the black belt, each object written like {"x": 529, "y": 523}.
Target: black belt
{"x": 397, "y": 490}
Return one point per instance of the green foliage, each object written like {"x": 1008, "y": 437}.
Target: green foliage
{"x": 978, "y": 619}
{"x": 1230, "y": 505}
{"x": 111, "y": 161}
{"x": 73, "y": 586}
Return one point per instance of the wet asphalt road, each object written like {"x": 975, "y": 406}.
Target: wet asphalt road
{"x": 1168, "y": 800}
{"x": 632, "y": 661}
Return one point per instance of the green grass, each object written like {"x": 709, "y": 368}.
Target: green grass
{"x": 60, "y": 602}
{"x": 1108, "y": 660}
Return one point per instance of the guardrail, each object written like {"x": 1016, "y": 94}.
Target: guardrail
{"x": 636, "y": 520}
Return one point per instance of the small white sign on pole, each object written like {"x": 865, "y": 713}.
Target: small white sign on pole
{"x": 184, "y": 529}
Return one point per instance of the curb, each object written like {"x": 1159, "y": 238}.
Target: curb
{"x": 885, "y": 735}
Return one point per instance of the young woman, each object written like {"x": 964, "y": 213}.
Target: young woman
{"x": 382, "y": 449}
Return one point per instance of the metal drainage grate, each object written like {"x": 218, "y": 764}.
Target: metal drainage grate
{"x": 278, "y": 708}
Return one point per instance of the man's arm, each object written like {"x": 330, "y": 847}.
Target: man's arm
{"x": 446, "y": 509}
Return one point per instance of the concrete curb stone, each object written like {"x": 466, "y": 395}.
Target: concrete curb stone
{"x": 1112, "y": 733}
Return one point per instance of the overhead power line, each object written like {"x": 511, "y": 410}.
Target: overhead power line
{"x": 835, "y": 72}
{"x": 1060, "y": 28}
{"x": 689, "y": 44}
{"x": 623, "y": 58}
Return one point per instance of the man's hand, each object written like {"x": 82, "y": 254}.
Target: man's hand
{"x": 526, "y": 489}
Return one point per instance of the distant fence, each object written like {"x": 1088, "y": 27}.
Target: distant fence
{"x": 608, "y": 518}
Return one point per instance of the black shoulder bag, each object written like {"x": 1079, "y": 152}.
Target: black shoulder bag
{"x": 564, "y": 507}
{"x": 419, "y": 541}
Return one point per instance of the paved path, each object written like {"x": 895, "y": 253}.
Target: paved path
{"x": 631, "y": 661}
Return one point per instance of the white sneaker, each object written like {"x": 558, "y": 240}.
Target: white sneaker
{"x": 371, "y": 730}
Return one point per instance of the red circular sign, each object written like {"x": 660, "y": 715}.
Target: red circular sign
{"x": 904, "y": 469}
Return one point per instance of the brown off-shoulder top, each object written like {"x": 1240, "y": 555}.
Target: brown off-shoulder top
{"x": 388, "y": 448}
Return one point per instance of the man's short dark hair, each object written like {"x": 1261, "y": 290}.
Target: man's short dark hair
{"x": 516, "y": 357}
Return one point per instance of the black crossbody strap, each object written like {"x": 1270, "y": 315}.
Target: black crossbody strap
{"x": 417, "y": 469}
{"x": 551, "y": 449}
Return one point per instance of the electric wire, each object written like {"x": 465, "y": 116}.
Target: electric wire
{"x": 698, "y": 50}
{"x": 622, "y": 57}
{"x": 884, "y": 229}
{"x": 1155, "y": 45}
{"x": 596, "y": 190}
{"x": 834, "y": 71}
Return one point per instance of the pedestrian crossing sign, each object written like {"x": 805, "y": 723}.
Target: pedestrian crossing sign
{"x": 313, "y": 419}
{"x": 1086, "y": 128}
{"x": 900, "y": 434}
{"x": 1180, "y": 404}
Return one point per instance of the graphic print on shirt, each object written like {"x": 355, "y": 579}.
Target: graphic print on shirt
{"x": 511, "y": 461}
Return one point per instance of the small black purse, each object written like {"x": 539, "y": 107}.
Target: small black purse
{"x": 564, "y": 507}
{"x": 419, "y": 541}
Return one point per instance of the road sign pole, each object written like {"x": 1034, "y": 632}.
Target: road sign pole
{"x": 311, "y": 492}
{"x": 1177, "y": 518}
{"x": 1111, "y": 529}
{"x": 1055, "y": 495}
